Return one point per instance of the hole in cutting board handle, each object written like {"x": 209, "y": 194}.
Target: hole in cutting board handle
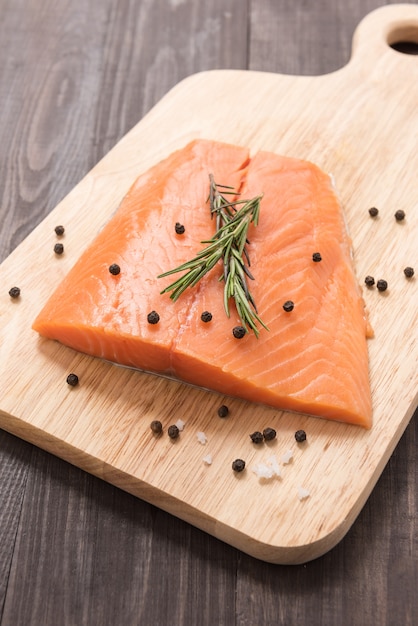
{"x": 406, "y": 47}
{"x": 404, "y": 39}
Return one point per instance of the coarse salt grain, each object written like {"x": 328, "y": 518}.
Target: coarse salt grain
{"x": 275, "y": 466}
{"x": 263, "y": 471}
{"x": 208, "y": 459}
{"x": 269, "y": 469}
{"x": 180, "y": 424}
{"x": 287, "y": 457}
{"x": 201, "y": 437}
{"x": 303, "y": 493}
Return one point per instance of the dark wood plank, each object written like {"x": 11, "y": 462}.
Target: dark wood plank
{"x": 75, "y": 77}
{"x": 150, "y": 46}
{"x": 49, "y": 84}
{"x": 15, "y": 458}
{"x": 79, "y": 75}
{"x": 97, "y": 555}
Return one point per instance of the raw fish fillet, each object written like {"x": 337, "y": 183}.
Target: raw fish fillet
{"x": 312, "y": 360}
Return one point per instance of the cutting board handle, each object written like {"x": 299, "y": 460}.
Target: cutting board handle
{"x": 382, "y": 28}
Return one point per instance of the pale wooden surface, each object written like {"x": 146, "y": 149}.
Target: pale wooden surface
{"x": 330, "y": 612}
{"x": 103, "y": 426}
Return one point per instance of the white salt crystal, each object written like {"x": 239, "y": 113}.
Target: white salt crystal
{"x": 269, "y": 469}
{"x": 201, "y": 437}
{"x": 208, "y": 459}
{"x": 275, "y": 466}
{"x": 303, "y": 493}
{"x": 263, "y": 471}
{"x": 180, "y": 424}
{"x": 287, "y": 457}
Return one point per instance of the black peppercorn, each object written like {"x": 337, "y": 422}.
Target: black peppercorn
{"x": 300, "y": 436}
{"x": 257, "y": 437}
{"x": 238, "y": 465}
{"x": 153, "y": 317}
{"x": 316, "y": 257}
{"x": 206, "y": 316}
{"x": 58, "y": 248}
{"x": 382, "y": 285}
{"x": 223, "y": 411}
{"x": 173, "y": 431}
{"x": 14, "y": 292}
{"x": 156, "y": 427}
{"x": 288, "y": 306}
{"x": 238, "y": 332}
{"x": 72, "y": 380}
{"x": 269, "y": 434}
{"x": 179, "y": 228}
{"x": 373, "y": 211}
{"x": 369, "y": 280}
{"x": 114, "y": 269}
{"x": 59, "y": 230}
{"x": 399, "y": 215}
{"x": 408, "y": 271}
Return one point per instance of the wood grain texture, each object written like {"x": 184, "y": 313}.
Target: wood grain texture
{"x": 231, "y": 587}
{"x": 14, "y": 461}
{"x": 103, "y": 425}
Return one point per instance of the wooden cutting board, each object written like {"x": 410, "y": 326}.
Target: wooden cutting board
{"x": 360, "y": 124}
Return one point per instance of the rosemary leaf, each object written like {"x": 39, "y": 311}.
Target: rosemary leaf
{"x": 229, "y": 244}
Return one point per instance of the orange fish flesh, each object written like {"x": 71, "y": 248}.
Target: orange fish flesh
{"x": 313, "y": 359}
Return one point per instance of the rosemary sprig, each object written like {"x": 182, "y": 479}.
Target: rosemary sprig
{"x": 229, "y": 244}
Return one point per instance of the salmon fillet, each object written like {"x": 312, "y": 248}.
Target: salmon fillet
{"x": 312, "y": 359}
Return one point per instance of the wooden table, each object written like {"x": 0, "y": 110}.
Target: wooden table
{"x": 75, "y": 77}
